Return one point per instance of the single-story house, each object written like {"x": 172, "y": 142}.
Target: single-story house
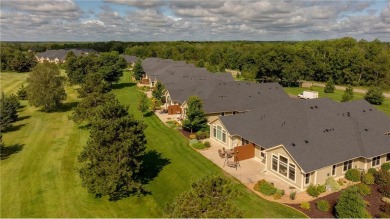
{"x": 131, "y": 60}
{"x": 59, "y": 55}
{"x": 304, "y": 142}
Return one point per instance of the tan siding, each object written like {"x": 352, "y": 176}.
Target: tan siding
{"x": 228, "y": 143}
{"x": 279, "y": 150}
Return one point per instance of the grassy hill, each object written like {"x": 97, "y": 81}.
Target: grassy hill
{"x": 39, "y": 175}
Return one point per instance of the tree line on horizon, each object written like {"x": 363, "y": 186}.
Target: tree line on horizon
{"x": 346, "y": 60}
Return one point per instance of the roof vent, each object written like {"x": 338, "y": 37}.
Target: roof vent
{"x": 293, "y": 144}
{"x": 366, "y": 130}
{"x": 306, "y": 141}
{"x": 370, "y": 109}
{"x": 316, "y": 107}
{"x": 311, "y": 107}
{"x": 348, "y": 114}
{"x": 364, "y": 111}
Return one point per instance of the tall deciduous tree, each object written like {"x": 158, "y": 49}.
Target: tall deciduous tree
{"x": 113, "y": 154}
{"x": 195, "y": 116}
{"x": 374, "y": 96}
{"x": 329, "y": 86}
{"x": 46, "y": 87}
{"x": 158, "y": 91}
{"x": 111, "y": 66}
{"x": 78, "y": 67}
{"x": 209, "y": 197}
{"x": 348, "y": 94}
{"x": 143, "y": 104}
{"x": 138, "y": 70}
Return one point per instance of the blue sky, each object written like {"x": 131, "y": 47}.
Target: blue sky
{"x": 194, "y": 20}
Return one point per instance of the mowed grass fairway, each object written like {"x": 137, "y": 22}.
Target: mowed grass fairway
{"x": 40, "y": 179}
{"x": 337, "y": 95}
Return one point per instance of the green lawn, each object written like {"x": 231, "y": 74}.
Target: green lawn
{"x": 39, "y": 177}
{"x": 385, "y": 107}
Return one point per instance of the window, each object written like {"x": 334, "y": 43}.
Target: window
{"x": 219, "y": 132}
{"x": 307, "y": 178}
{"x": 214, "y": 131}
{"x": 347, "y": 165}
{"x": 333, "y": 170}
{"x": 388, "y": 157}
{"x": 283, "y": 165}
{"x": 291, "y": 172}
{"x": 275, "y": 162}
{"x": 376, "y": 161}
{"x": 224, "y": 136}
{"x": 244, "y": 141}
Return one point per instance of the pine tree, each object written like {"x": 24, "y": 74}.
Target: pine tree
{"x": 209, "y": 197}
{"x": 8, "y": 111}
{"x": 158, "y": 91}
{"x": 46, "y": 87}
{"x": 195, "y": 117}
{"x": 348, "y": 94}
{"x": 113, "y": 154}
{"x": 138, "y": 70}
{"x": 329, "y": 86}
{"x": 143, "y": 104}
{"x": 94, "y": 83}
{"x": 351, "y": 205}
{"x": 22, "y": 93}
{"x": 374, "y": 96}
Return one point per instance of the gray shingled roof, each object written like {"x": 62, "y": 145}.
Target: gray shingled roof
{"x": 219, "y": 91}
{"x": 130, "y": 59}
{"x": 332, "y": 135}
{"x": 61, "y": 53}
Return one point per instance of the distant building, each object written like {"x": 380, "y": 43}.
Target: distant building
{"x": 131, "y": 60}
{"x": 58, "y": 56}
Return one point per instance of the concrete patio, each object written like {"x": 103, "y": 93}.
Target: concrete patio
{"x": 248, "y": 172}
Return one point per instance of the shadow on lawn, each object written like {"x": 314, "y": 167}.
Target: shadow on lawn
{"x": 153, "y": 164}
{"x": 7, "y": 151}
{"x": 65, "y": 107}
{"x": 122, "y": 85}
{"x": 14, "y": 128}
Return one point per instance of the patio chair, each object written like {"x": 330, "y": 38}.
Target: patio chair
{"x": 221, "y": 154}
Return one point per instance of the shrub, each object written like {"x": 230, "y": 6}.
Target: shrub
{"x": 385, "y": 208}
{"x": 373, "y": 171}
{"x": 385, "y": 167}
{"x": 385, "y": 199}
{"x": 279, "y": 193}
{"x": 207, "y": 144}
{"x": 382, "y": 178}
{"x": 321, "y": 188}
{"x": 202, "y": 135}
{"x": 382, "y": 215}
{"x": 323, "y": 205}
{"x": 292, "y": 195}
{"x": 385, "y": 190}
{"x": 265, "y": 187}
{"x": 315, "y": 191}
{"x": 22, "y": 93}
{"x": 340, "y": 181}
{"x": 333, "y": 184}
{"x": 374, "y": 96}
{"x": 192, "y": 136}
{"x": 368, "y": 179}
{"x": 350, "y": 204}
{"x": 363, "y": 189}
{"x": 353, "y": 175}
{"x": 305, "y": 205}
{"x": 329, "y": 86}
{"x": 198, "y": 146}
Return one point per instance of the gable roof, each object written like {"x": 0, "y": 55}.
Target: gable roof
{"x": 60, "y": 54}
{"x": 334, "y": 132}
{"x": 130, "y": 59}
